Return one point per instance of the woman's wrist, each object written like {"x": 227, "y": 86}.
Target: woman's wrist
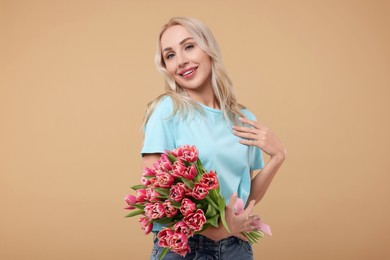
{"x": 279, "y": 156}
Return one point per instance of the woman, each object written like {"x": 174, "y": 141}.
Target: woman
{"x": 199, "y": 108}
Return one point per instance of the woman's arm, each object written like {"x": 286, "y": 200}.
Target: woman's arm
{"x": 262, "y": 137}
{"x": 263, "y": 179}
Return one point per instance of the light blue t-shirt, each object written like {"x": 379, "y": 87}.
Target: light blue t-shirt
{"x": 218, "y": 147}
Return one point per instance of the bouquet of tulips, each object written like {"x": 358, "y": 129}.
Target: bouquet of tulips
{"x": 179, "y": 193}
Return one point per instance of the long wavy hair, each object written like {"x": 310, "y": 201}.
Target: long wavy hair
{"x": 220, "y": 81}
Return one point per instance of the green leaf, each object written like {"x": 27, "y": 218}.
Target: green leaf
{"x": 163, "y": 253}
{"x": 171, "y": 157}
{"x": 161, "y": 197}
{"x": 138, "y": 206}
{"x": 175, "y": 204}
{"x": 200, "y": 166}
{"x": 187, "y": 182}
{"x": 213, "y": 221}
{"x": 187, "y": 164}
{"x": 213, "y": 195}
{"x": 163, "y": 220}
{"x": 222, "y": 213}
{"x": 211, "y": 202}
{"x": 162, "y": 191}
{"x": 198, "y": 176}
{"x": 135, "y": 213}
{"x": 218, "y": 190}
{"x": 137, "y": 187}
{"x": 211, "y": 212}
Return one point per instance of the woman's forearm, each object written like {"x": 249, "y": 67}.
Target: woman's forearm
{"x": 263, "y": 179}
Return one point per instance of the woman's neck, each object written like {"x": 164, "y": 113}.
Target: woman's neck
{"x": 206, "y": 98}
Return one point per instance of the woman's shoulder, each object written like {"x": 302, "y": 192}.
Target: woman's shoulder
{"x": 247, "y": 113}
{"x": 162, "y": 105}
{"x": 162, "y": 101}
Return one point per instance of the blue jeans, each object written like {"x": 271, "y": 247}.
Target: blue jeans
{"x": 206, "y": 249}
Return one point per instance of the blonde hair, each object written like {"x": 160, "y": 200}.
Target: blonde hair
{"x": 221, "y": 83}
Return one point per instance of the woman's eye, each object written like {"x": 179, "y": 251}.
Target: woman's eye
{"x": 169, "y": 56}
{"x": 189, "y": 46}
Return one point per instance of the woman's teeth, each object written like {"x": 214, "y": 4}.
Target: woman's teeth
{"x": 188, "y": 72}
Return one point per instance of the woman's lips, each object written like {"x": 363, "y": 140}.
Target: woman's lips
{"x": 188, "y": 73}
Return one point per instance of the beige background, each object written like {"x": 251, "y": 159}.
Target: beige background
{"x": 75, "y": 79}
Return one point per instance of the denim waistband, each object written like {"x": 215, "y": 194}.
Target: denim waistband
{"x": 205, "y": 248}
{"x": 223, "y": 242}
{"x": 207, "y": 241}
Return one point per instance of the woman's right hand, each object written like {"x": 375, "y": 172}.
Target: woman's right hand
{"x": 242, "y": 222}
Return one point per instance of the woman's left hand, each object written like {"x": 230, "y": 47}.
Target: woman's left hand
{"x": 260, "y": 136}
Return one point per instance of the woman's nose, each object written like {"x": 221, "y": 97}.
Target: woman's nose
{"x": 181, "y": 60}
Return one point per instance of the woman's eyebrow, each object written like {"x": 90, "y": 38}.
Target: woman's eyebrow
{"x": 180, "y": 43}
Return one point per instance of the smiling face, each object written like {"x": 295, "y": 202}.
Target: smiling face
{"x": 184, "y": 60}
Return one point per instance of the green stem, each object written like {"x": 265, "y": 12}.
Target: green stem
{"x": 248, "y": 237}
{"x": 163, "y": 253}
{"x": 211, "y": 202}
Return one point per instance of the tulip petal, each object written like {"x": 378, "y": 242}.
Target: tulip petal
{"x": 239, "y": 207}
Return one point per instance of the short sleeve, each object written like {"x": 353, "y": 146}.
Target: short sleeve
{"x": 159, "y": 130}
{"x": 255, "y": 153}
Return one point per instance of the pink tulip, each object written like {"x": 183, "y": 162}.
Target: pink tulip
{"x": 149, "y": 210}
{"x": 181, "y": 227}
{"x": 191, "y": 173}
{"x": 179, "y": 169}
{"x": 176, "y": 193}
{"x": 210, "y": 180}
{"x": 145, "y": 181}
{"x": 158, "y": 170}
{"x": 157, "y": 166}
{"x": 187, "y": 206}
{"x": 170, "y": 211}
{"x": 178, "y": 243}
{"x": 130, "y": 200}
{"x": 163, "y": 237}
{"x": 256, "y": 222}
{"x": 154, "y": 196}
{"x": 141, "y": 195}
{"x": 149, "y": 191}
{"x": 200, "y": 191}
{"x": 154, "y": 211}
{"x": 188, "y": 191}
{"x": 261, "y": 226}
{"x": 164, "y": 180}
{"x": 186, "y": 153}
{"x": 165, "y": 163}
{"x": 146, "y": 225}
{"x": 239, "y": 207}
{"x": 159, "y": 210}
{"x": 195, "y": 220}
{"x": 148, "y": 172}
